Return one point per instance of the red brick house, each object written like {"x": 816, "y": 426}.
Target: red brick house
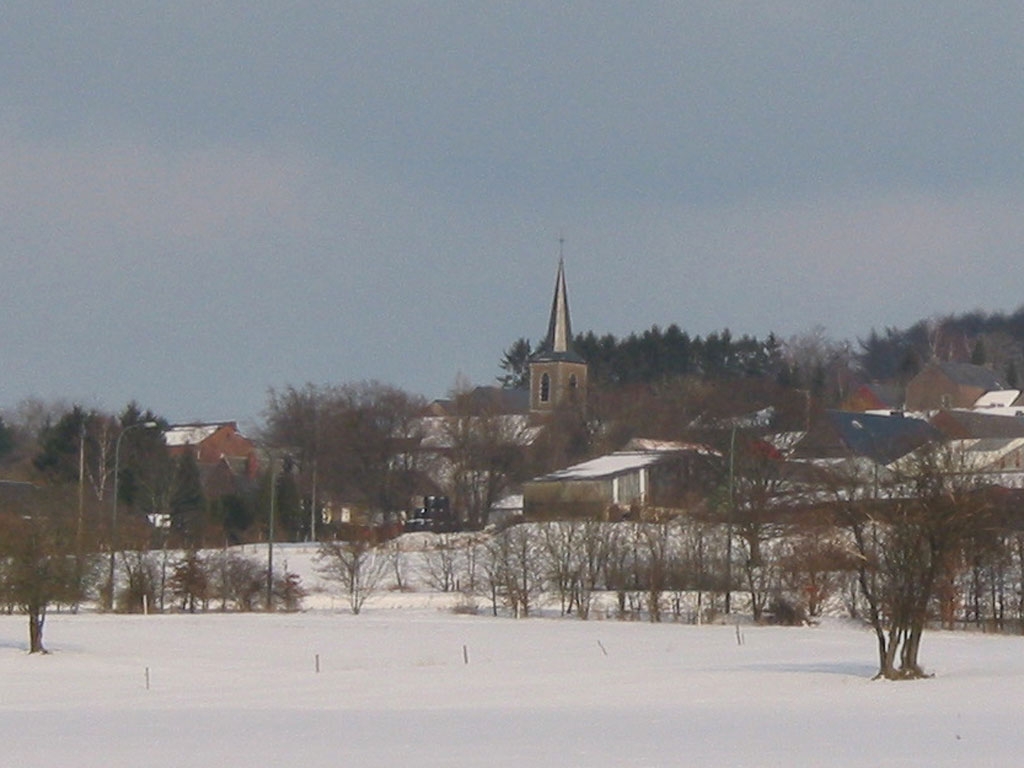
{"x": 225, "y": 456}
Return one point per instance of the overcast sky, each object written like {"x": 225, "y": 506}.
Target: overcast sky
{"x": 199, "y": 201}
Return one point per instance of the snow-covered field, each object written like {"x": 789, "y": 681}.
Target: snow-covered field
{"x": 394, "y": 688}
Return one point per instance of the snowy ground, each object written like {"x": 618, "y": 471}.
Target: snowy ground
{"x": 393, "y": 688}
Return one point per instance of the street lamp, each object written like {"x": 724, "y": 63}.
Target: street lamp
{"x": 113, "y": 517}
{"x": 270, "y": 534}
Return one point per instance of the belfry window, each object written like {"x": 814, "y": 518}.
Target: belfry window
{"x": 545, "y": 388}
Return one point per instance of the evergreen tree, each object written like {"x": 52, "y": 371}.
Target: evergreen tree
{"x": 235, "y": 515}
{"x": 7, "y": 441}
{"x": 516, "y": 364}
{"x": 978, "y": 354}
{"x": 59, "y": 446}
{"x": 187, "y": 503}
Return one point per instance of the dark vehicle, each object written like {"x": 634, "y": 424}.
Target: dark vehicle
{"x": 435, "y": 516}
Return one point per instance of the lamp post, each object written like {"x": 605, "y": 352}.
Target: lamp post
{"x": 729, "y": 522}
{"x": 113, "y": 516}
{"x": 270, "y": 534}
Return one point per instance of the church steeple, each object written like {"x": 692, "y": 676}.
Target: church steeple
{"x": 557, "y": 371}
{"x": 559, "y": 327}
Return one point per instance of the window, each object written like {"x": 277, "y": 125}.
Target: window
{"x": 545, "y": 388}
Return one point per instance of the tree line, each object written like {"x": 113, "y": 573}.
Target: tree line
{"x": 655, "y": 355}
{"x": 809, "y": 361}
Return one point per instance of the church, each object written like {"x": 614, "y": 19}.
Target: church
{"x": 558, "y": 374}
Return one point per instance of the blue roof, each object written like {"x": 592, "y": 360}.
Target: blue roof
{"x": 881, "y": 438}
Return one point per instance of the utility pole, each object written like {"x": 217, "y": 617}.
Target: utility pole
{"x": 81, "y": 490}
{"x": 728, "y": 525}
{"x": 113, "y": 518}
{"x": 270, "y": 534}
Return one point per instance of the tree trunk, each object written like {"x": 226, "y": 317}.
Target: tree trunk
{"x": 36, "y": 618}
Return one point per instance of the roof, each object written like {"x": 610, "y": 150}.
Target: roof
{"x": 1000, "y": 398}
{"x": 996, "y": 422}
{"x": 485, "y": 400}
{"x": 646, "y": 444}
{"x": 878, "y": 395}
{"x": 982, "y": 454}
{"x": 192, "y": 434}
{"x": 513, "y": 503}
{"x": 618, "y": 463}
{"x": 970, "y": 375}
{"x": 881, "y": 438}
{"x": 606, "y": 466}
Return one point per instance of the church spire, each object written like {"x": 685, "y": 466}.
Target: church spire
{"x": 559, "y": 327}
{"x": 557, "y": 372}
{"x": 557, "y": 345}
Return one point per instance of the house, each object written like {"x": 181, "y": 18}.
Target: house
{"x": 979, "y": 424}
{"x": 999, "y": 461}
{"x": 209, "y": 442}
{"x": 950, "y": 385}
{"x": 881, "y": 438}
{"x": 622, "y": 484}
{"x": 228, "y": 461}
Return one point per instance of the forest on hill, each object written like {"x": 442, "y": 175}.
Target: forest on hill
{"x": 811, "y": 361}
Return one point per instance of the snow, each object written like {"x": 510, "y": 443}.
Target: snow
{"x": 394, "y": 688}
{"x": 1000, "y": 398}
{"x": 606, "y": 466}
{"x": 189, "y": 434}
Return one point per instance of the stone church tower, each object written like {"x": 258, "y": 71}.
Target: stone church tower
{"x": 557, "y": 373}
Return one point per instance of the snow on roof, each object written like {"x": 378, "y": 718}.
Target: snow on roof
{"x": 646, "y": 444}
{"x": 607, "y": 466}
{"x": 512, "y": 502}
{"x": 985, "y": 452}
{"x": 189, "y": 434}
{"x": 1000, "y": 398}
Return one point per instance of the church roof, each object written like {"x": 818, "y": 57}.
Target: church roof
{"x": 557, "y": 346}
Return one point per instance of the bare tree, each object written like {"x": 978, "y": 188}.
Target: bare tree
{"x": 657, "y": 557}
{"x": 592, "y": 541}
{"x": 621, "y": 565}
{"x": 397, "y": 561}
{"x": 238, "y": 581}
{"x": 906, "y": 540}
{"x": 38, "y": 544}
{"x": 514, "y": 570}
{"x": 812, "y": 565}
{"x": 575, "y": 553}
{"x": 441, "y": 562}
{"x": 351, "y": 443}
{"x": 485, "y": 452}
{"x": 759, "y": 488}
{"x": 562, "y": 560}
{"x": 358, "y": 565}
